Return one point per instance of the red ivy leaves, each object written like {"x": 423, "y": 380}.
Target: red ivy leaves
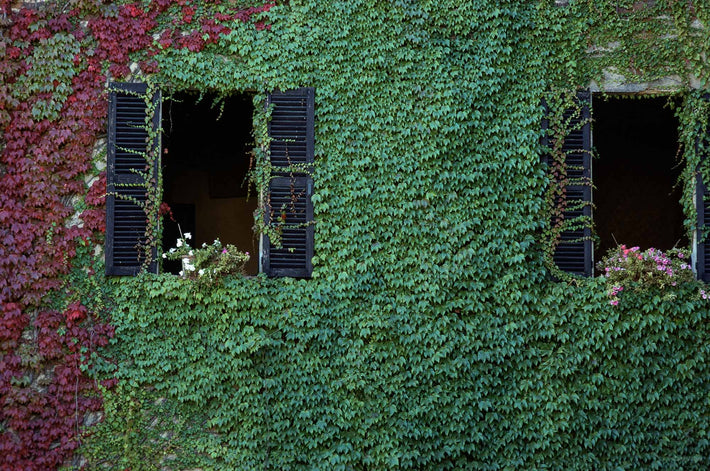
{"x": 14, "y": 321}
{"x": 43, "y": 419}
{"x": 187, "y": 13}
{"x": 95, "y": 219}
{"x": 43, "y": 392}
{"x": 120, "y": 37}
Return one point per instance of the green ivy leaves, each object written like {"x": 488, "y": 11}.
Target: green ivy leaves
{"x": 50, "y": 71}
{"x": 430, "y": 336}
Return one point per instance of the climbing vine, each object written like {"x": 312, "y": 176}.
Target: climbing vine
{"x": 695, "y": 139}
{"x": 564, "y": 115}
{"x": 430, "y": 335}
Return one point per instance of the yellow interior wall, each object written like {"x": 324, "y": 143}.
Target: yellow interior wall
{"x": 229, "y": 219}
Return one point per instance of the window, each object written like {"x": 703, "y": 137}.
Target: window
{"x": 636, "y": 198}
{"x": 218, "y": 184}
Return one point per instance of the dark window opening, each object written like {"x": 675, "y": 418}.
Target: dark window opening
{"x": 207, "y": 149}
{"x": 636, "y": 195}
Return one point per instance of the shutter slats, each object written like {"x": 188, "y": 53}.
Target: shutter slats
{"x": 289, "y": 208}
{"x": 702, "y": 205}
{"x": 131, "y": 137}
{"x": 703, "y": 245}
{"x": 126, "y": 222}
{"x": 573, "y": 253}
{"x": 290, "y": 128}
{"x": 288, "y": 204}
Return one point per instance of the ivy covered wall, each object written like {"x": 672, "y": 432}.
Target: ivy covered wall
{"x": 431, "y": 334}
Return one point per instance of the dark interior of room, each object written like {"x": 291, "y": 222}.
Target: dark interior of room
{"x": 636, "y": 194}
{"x": 206, "y": 156}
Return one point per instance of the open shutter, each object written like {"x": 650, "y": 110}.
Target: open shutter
{"x": 702, "y": 248}
{"x": 702, "y": 205}
{"x": 573, "y": 253}
{"x": 288, "y": 206}
{"x": 126, "y": 175}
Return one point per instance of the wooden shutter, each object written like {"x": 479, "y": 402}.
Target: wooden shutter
{"x": 126, "y": 173}
{"x": 573, "y": 253}
{"x": 702, "y": 205}
{"x": 702, "y": 248}
{"x": 288, "y": 206}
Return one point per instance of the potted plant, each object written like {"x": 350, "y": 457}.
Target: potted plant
{"x": 209, "y": 262}
{"x": 632, "y": 269}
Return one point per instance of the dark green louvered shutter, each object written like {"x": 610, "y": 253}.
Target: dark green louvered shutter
{"x": 702, "y": 204}
{"x": 573, "y": 253}
{"x": 703, "y": 243}
{"x": 288, "y": 206}
{"x": 127, "y": 170}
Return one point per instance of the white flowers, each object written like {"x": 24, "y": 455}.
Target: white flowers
{"x": 181, "y": 242}
{"x": 207, "y": 262}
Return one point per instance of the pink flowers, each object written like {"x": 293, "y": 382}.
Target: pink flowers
{"x": 613, "y": 294}
{"x": 638, "y": 270}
